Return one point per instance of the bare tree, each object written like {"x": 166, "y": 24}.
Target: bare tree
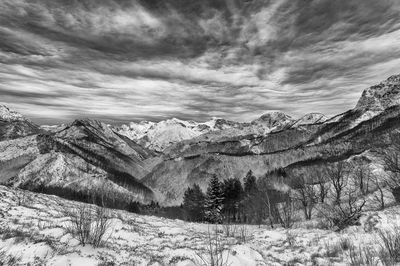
{"x": 306, "y": 194}
{"x": 391, "y": 161}
{"x": 362, "y": 177}
{"x": 268, "y": 199}
{"x": 347, "y": 212}
{"x": 322, "y": 182}
{"x": 285, "y": 212}
{"x": 337, "y": 174}
{"x": 379, "y": 196}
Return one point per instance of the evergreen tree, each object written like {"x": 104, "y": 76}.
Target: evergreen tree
{"x": 250, "y": 183}
{"x": 233, "y": 194}
{"x": 250, "y": 202}
{"x": 214, "y": 201}
{"x": 193, "y": 203}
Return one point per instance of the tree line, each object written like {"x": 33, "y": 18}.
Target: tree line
{"x": 230, "y": 201}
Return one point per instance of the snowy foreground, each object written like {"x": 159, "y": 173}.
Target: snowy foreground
{"x": 32, "y": 231}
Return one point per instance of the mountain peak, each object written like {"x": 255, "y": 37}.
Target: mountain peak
{"x": 311, "y": 118}
{"x": 273, "y": 116}
{"x": 10, "y": 115}
{"x": 274, "y": 120}
{"x": 381, "y": 96}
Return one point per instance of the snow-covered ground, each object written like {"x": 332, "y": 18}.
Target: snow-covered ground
{"x": 33, "y": 232}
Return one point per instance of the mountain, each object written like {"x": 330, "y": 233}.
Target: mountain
{"x": 14, "y": 125}
{"x": 311, "y": 118}
{"x": 158, "y": 136}
{"x": 382, "y": 96}
{"x": 294, "y": 143}
{"x": 157, "y": 161}
{"x": 274, "y": 121}
{"x": 10, "y": 115}
{"x": 85, "y": 155}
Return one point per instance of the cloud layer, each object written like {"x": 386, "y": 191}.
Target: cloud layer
{"x": 128, "y": 60}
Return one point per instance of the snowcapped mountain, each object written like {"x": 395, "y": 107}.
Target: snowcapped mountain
{"x": 158, "y": 136}
{"x": 311, "y": 118}
{"x": 379, "y": 97}
{"x": 14, "y": 125}
{"x": 86, "y": 155}
{"x": 10, "y": 115}
{"x": 274, "y": 120}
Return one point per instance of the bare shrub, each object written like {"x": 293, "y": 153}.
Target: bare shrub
{"x": 389, "y": 253}
{"x": 332, "y": 250}
{"x": 345, "y": 243}
{"x": 21, "y": 196}
{"x": 244, "y": 234}
{"x": 362, "y": 256}
{"x": 290, "y": 238}
{"x": 88, "y": 224}
{"x": 214, "y": 251}
{"x": 229, "y": 229}
{"x": 346, "y": 213}
{"x": 8, "y": 259}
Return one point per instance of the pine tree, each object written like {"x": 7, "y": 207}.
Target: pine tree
{"x": 233, "y": 194}
{"x": 250, "y": 183}
{"x": 214, "y": 201}
{"x": 193, "y": 203}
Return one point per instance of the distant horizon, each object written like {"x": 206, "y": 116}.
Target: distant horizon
{"x": 117, "y": 60}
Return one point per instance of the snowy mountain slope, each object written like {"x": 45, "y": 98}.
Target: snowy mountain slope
{"x": 161, "y": 135}
{"x": 84, "y": 156}
{"x": 382, "y": 96}
{"x": 158, "y": 136}
{"x": 311, "y": 118}
{"x": 10, "y": 115}
{"x": 14, "y": 125}
{"x": 196, "y": 160}
{"x": 34, "y": 232}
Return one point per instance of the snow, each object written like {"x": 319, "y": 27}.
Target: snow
{"x": 158, "y": 136}
{"x": 364, "y": 117}
{"x": 10, "y": 115}
{"x": 35, "y": 233}
{"x": 381, "y": 96}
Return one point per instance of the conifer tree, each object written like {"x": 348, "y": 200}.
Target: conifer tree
{"x": 233, "y": 194}
{"x": 193, "y": 203}
{"x": 250, "y": 183}
{"x": 214, "y": 201}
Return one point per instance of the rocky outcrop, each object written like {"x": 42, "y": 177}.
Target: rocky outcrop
{"x": 380, "y": 97}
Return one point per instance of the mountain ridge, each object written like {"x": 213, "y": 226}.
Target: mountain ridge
{"x": 88, "y": 154}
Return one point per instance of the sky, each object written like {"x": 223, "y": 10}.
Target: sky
{"x": 127, "y": 60}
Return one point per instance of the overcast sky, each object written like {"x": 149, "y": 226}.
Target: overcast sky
{"x": 127, "y": 60}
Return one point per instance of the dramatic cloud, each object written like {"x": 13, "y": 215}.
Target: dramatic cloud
{"x": 127, "y": 60}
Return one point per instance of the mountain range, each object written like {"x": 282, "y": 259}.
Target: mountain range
{"x": 157, "y": 161}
